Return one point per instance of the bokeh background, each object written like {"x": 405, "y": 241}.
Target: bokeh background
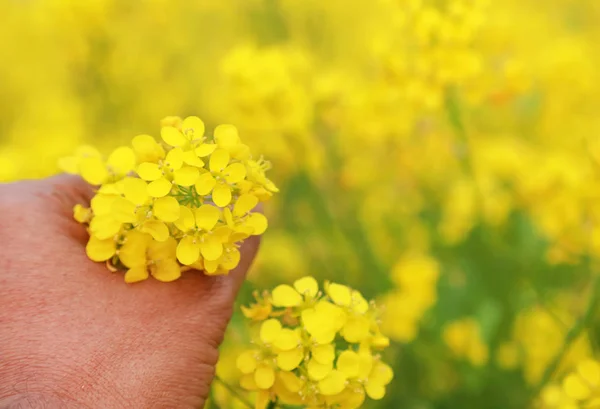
{"x": 441, "y": 156}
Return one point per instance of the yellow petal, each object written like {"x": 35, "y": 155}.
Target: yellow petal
{"x": 221, "y": 195}
{"x": 205, "y": 149}
{"x": 149, "y": 171}
{"x": 246, "y": 361}
{"x": 166, "y": 209}
{"x": 166, "y": 271}
{"x": 82, "y": 214}
{"x": 135, "y": 274}
{"x": 157, "y": 229}
{"x": 339, "y": 294}
{"x": 102, "y": 204}
{"x": 100, "y": 250}
{"x": 211, "y": 266}
{"x": 121, "y": 160}
{"x": 264, "y": 376}
{"x": 348, "y": 363}
{"x": 186, "y": 176}
{"x": 244, "y": 204}
{"x": 218, "y": 160}
{"x": 258, "y": 222}
{"x": 104, "y": 227}
{"x": 206, "y": 217}
{"x": 375, "y": 391}
{"x": 247, "y": 382}
{"x": 174, "y": 159}
{"x": 231, "y": 259}
{"x": 136, "y": 190}
{"x": 381, "y": 373}
{"x": 190, "y": 158}
{"x": 162, "y": 250}
{"x": 147, "y": 149}
{"x": 285, "y": 296}
{"x": 269, "y": 330}
{"x": 133, "y": 251}
{"x": 291, "y": 382}
{"x": 318, "y": 371}
{"x": 186, "y": 219}
{"x": 323, "y": 354}
{"x": 234, "y": 173}
{"x": 307, "y": 286}
{"x": 193, "y": 126}
{"x": 356, "y": 329}
{"x": 211, "y": 249}
{"x": 123, "y": 210}
{"x": 205, "y": 183}
{"x": 188, "y": 252}
{"x": 172, "y": 136}
{"x": 226, "y": 136}
{"x": 289, "y": 360}
{"x": 159, "y": 188}
{"x": 93, "y": 171}
{"x": 287, "y": 339}
{"x": 334, "y": 383}
{"x": 359, "y": 303}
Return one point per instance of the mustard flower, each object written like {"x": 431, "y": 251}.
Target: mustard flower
{"x": 164, "y": 207}
{"x": 314, "y": 348}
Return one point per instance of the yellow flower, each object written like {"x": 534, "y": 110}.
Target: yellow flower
{"x": 200, "y": 236}
{"x": 143, "y": 255}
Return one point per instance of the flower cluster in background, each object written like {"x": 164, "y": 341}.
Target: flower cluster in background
{"x": 162, "y": 208}
{"x": 439, "y": 156}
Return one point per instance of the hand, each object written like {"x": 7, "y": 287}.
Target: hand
{"x": 73, "y": 334}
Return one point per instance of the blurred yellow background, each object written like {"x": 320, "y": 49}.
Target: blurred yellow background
{"x": 439, "y": 155}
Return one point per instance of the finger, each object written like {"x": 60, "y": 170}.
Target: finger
{"x": 68, "y": 190}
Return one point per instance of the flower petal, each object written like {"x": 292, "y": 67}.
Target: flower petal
{"x": 234, "y": 173}
{"x": 333, "y": 384}
{"x": 159, "y": 188}
{"x": 285, "y": 296}
{"x": 186, "y": 219}
{"x": 244, "y": 204}
{"x": 133, "y": 251}
{"x": 211, "y": 249}
{"x": 135, "y": 274}
{"x": 149, "y": 171}
{"x": 207, "y": 217}
{"x": 205, "y": 149}
{"x": 269, "y": 330}
{"x": 172, "y": 136}
{"x": 188, "y": 252}
{"x": 157, "y": 229}
{"x": 287, "y": 339}
{"x": 318, "y": 371}
{"x": 264, "y": 376}
{"x": 221, "y": 195}
{"x": 205, "y": 183}
{"x": 135, "y": 190}
{"x": 349, "y": 363}
{"x": 226, "y": 136}
{"x": 100, "y": 250}
{"x": 93, "y": 170}
{"x": 246, "y": 361}
{"x": 123, "y": 210}
{"x": 166, "y": 271}
{"x": 289, "y": 360}
{"x": 307, "y": 286}
{"x": 121, "y": 160}
{"x": 174, "y": 159}
{"x": 190, "y": 158}
{"x": 192, "y": 126}
{"x": 258, "y": 222}
{"x": 166, "y": 209}
{"x": 186, "y": 176}
{"x": 218, "y": 160}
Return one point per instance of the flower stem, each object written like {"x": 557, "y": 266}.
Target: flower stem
{"x": 235, "y": 392}
{"x": 573, "y": 334}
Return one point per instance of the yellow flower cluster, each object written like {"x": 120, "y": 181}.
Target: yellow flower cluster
{"x": 313, "y": 348}
{"x": 464, "y": 339}
{"x": 579, "y": 388}
{"x": 186, "y": 202}
{"x": 416, "y": 278}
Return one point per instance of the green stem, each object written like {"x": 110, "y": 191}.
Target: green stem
{"x": 272, "y": 404}
{"x": 234, "y": 392}
{"x": 572, "y": 335}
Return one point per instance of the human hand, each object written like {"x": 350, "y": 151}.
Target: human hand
{"x": 72, "y": 334}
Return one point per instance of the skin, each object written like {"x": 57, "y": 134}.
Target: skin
{"x": 74, "y": 335}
